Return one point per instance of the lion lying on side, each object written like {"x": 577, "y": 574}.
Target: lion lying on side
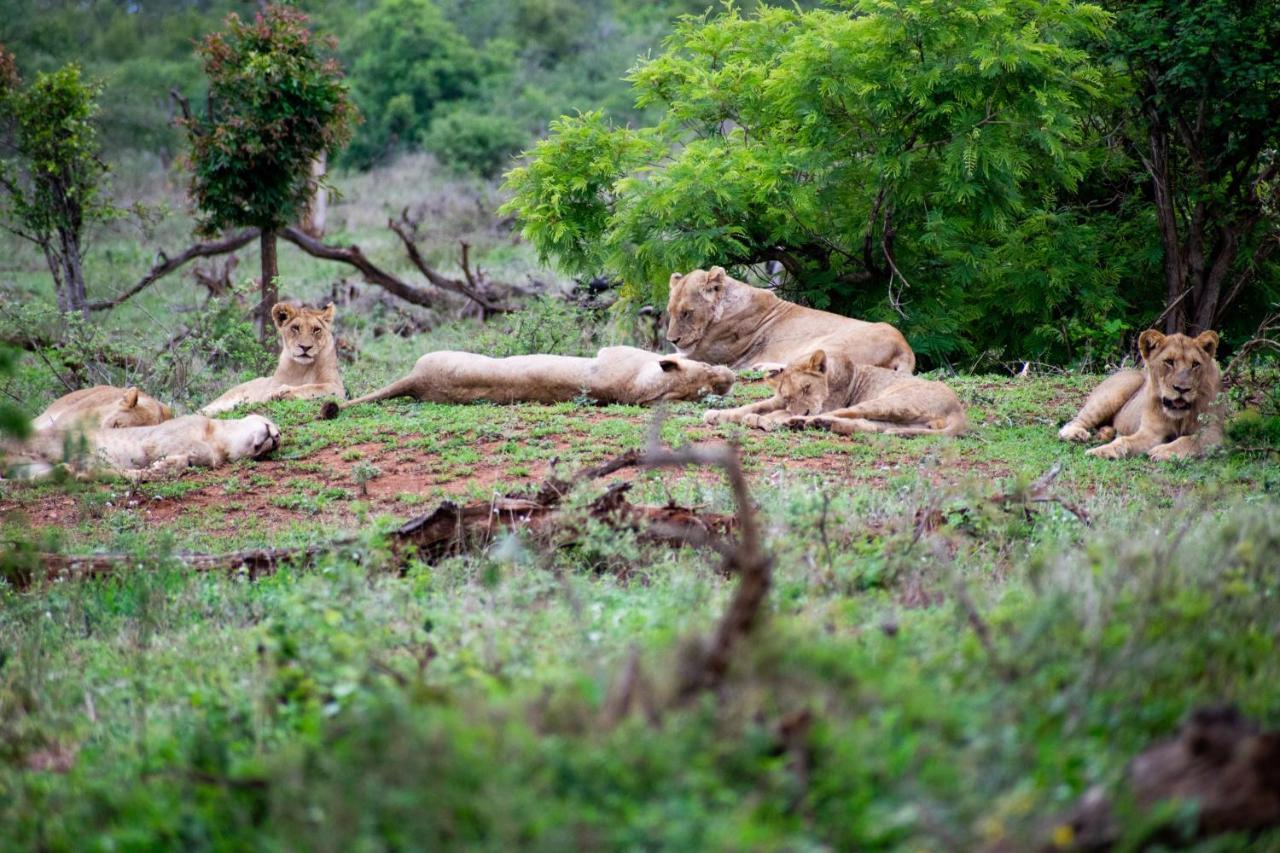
{"x": 102, "y": 407}
{"x": 145, "y": 452}
{"x": 720, "y": 320}
{"x": 616, "y": 375}
{"x": 1156, "y": 410}
{"x": 847, "y": 398}
{"x": 308, "y": 365}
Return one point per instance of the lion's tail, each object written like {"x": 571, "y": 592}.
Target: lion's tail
{"x": 405, "y": 387}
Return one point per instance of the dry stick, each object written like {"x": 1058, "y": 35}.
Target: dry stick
{"x": 238, "y": 240}
{"x": 406, "y": 231}
{"x": 353, "y": 256}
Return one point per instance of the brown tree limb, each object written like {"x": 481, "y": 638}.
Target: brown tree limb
{"x": 166, "y": 265}
{"x": 353, "y": 256}
{"x": 472, "y": 288}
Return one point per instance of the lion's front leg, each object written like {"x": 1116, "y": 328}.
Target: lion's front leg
{"x": 306, "y": 392}
{"x": 1127, "y": 445}
{"x": 162, "y": 468}
{"x": 768, "y": 421}
{"x": 738, "y": 415}
{"x": 1183, "y": 447}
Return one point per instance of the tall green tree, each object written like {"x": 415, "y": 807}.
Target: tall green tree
{"x": 51, "y": 174}
{"x": 877, "y": 151}
{"x": 1206, "y": 128}
{"x": 275, "y": 103}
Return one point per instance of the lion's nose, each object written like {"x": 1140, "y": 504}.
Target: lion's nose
{"x": 306, "y": 348}
{"x": 1181, "y": 389}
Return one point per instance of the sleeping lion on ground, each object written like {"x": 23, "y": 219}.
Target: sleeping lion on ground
{"x": 615, "y": 375}
{"x": 815, "y": 390}
{"x": 104, "y": 407}
{"x": 308, "y": 365}
{"x": 1156, "y": 410}
{"x": 720, "y": 320}
{"x": 147, "y": 452}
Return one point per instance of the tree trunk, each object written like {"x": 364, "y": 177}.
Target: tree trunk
{"x": 74, "y": 279}
{"x": 313, "y": 218}
{"x": 270, "y": 271}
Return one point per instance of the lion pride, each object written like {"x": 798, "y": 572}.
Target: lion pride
{"x": 1156, "y": 410}
{"x": 308, "y": 365}
{"x": 720, "y": 320}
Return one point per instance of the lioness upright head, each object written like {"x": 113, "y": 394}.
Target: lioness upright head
{"x": 803, "y": 384}
{"x": 304, "y": 332}
{"x": 694, "y": 303}
{"x": 1181, "y": 369}
{"x": 136, "y": 409}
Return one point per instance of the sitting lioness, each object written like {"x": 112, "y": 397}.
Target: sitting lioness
{"x": 1156, "y": 410}
{"x": 616, "y": 375}
{"x": 102, "y": 407}
{"x": 836, "y": 394}
{"x": 720, "y": 320}
{"x": 308, "y": 365}
{"x": 144, "y": 452}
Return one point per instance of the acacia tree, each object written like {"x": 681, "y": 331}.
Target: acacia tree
{"x": 1207, "y": 115}
{"x": 874, "y": 150}
{"x": 51, "y": 175}
{"x": 275, "y": 104}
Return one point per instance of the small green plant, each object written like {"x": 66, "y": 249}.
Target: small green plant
{"x": 362, "y": 473}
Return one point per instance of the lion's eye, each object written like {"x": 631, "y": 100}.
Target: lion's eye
{"x": 806, "y": 389}
{"x": 1195, "y": 365}
{"x": 297, "y": 329}
{"x": 1168, "y": 362}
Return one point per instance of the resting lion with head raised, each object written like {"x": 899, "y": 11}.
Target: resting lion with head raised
{"x": 615, "y": 375}
{"x": 1157, "y": 410}
{"x": 717, "y": 319}
{"x": 822, "y": 392}
{"x": 308, "y": 365}
{"x": 102, "y": 407}
{"x": 145, "y": 452}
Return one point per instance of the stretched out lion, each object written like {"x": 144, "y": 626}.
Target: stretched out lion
{"x": 308, "y": 365}
{"x": 102, "y": 406}
{"x": 1156, "y": 410}
{"x": 815, "y": 390}
{"x": 144, "y": 452}
{"x": 615, "y": 375}
{"x": 720, "y": 320}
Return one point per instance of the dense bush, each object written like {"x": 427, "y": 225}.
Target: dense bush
{"x": 470, "y": 141}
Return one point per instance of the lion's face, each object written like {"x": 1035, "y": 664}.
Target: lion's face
{"x": 304, "y": 332}
{"x": 251, "y": 436}
{"x": 692, "y": 305}
{"x": 673, "y": 378}
{"x": 1182, "y": 369}
{"x": 136, "y": 409}
{"x": 803, "y": 384}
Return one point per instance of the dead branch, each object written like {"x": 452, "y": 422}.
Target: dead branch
{"x": 166, "y": 264}
{"x": 353, "y": 256}
{"x": 1264, "y": 338}
{"x": 1038, "y": 492}
{"x": 473, "y": 288}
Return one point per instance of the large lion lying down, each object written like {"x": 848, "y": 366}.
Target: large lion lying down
{"x": 720, "y": 320}
{"x": 616, "y": 375}
{"x": 308, "y": 365}
{"x": 847, "y": 398}
{"x": 101, "y": 407}
{"x": 1156, "y": 410}
{"x": 144, "y": 452}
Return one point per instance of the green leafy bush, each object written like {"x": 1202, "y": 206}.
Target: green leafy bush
{"x": 471, "y": 141}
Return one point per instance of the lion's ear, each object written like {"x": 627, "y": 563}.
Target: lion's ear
{"x": 817, "y": 361}
{"x": 1208, "y": 341}
{"x": 281, "y": 313}
{"x": 716, "y": 274}
{"x": 327, "y": 313}
{"x": 675, "y": 279}
{"x": 1148, "y": 342}
{"x": 773, "y": 374}
{"x": 130, "y": 398}
{"x": 668, "y": 365}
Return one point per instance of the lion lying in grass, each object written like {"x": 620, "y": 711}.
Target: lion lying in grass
{"x": 616, "y": 375}
{"x": 102, "y": 407}
{"x": 147, "y": 452}
{"x": 1156, "y": 410}
{"x": 720, "y": 320}
{"x": 835, "y": 394}
{"x": 308, "y": 365}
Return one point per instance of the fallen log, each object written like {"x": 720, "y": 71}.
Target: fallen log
{"x": 166, "y": 264}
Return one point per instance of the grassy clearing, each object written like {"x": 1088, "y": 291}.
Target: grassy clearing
{"x": 462, "y": 703}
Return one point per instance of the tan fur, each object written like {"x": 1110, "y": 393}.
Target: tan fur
{"x": 615, "y": 375}
{"x": 308, "y": 365}
{"x": 720, "y": 320}
{"x": 1167, "y": 410}
{"x": 816, "y": 390}
{"x": 102, "y": 406}
{"x": 145, "y": 452}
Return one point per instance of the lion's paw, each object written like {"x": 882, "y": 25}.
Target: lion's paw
{"x": 798, "y": 422}
{"x": 1106, "y": 451}
{"x": 711, "y": 417}
{"x": 1166, "y": 452}
{"x": 1073, "y": 432}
